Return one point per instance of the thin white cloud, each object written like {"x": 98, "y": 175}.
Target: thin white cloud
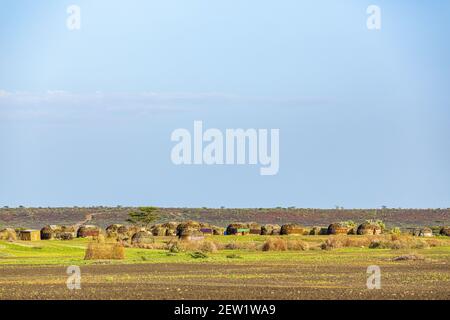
{"x": 64, "y": 105}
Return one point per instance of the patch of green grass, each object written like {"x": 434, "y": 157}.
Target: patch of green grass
{"x": 72, "y": 252}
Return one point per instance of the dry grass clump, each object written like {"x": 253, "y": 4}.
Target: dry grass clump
{"x": 104, "y": 251}
{"x": 297, "y": 245}
{"x": 332, "y": 243}
{"x": 183, "y": 246}
{"x": 278, "y": 244}
{"x": 400, "y": 242}
{"x": 275, "y": 244}
{"x": 251, "y": 246}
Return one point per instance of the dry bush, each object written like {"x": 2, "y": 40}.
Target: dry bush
{"x": 101, "y": 251}
{"x": 275, "y": 244}
{"x": 208, "y": 246}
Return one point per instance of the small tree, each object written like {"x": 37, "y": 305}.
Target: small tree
{"x": 144, "y": 217}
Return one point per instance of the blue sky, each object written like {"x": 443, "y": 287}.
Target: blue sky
{"x": 86, "y": 116}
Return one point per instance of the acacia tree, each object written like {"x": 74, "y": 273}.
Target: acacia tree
{"x": 143, "y": 217}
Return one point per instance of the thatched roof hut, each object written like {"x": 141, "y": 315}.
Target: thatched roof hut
{"x": 445, "y": 231}
{"x": 292, "y": 229}
{"x": 88, "y": 231}
{"x": 422, "y": 232}
{"x": 8, "y": 234}
{"x": 369, "y": 229}
{"x": 143, "y": 237}
{"x": 238, "y": 228}
{"x": 51, "y": 232}
{"x": 270, "y": 229}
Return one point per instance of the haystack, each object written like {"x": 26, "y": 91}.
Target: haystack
{"x": 369, "y": 229}
{"x": 51, "y": 232}
{"x": 445, "y": 231}
{"x": 238, "y": 228}
{"x": 422, "y": 232}
{"x": 292, "y": 229}
{"x": 88, "y": 231}
{"x": 8, "y": 234}
{"x": 143, "y": 237}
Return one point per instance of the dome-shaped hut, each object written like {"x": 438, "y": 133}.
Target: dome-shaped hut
{"x": 143, "y": 237}
{"x": 270, "y": 229}
{"x": 238, "y": 229}
{"x": 369, "y": 229}
{"x": 186, "y": 227}
{"x": 341, "y": 228}
{"x": 121, "y": 232}
{"x": 170, "y": 228}
{"x": 255, "y": 228}
{"x": 56, "y": 232}
{"x": 445, "y": 231}
{"x": 88, "y": 231}
{"x": 292, "y": 229}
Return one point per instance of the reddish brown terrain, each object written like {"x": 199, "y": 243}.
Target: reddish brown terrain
{"x": 104, "y": 216}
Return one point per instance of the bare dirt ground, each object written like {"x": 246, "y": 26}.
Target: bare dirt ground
{"x": 402, "y": 280}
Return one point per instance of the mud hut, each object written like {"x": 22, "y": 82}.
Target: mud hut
{"x": 8, "y": 234}
{"x": 238, "y": 229}
{"x": 217, "y": 231}
{"x": 88, "y": 231}
{"x": 369, "y": 229}
{"x": 30, "y": 235}
{"x": 445, "y": 231}
{"x": 187, "y": 227}
{"x": 207, "y": 231}
{"x": 255, "y": 228}
{"x": 158, "y": 230}
{"x": 51, "y": 232}
{"x": 121, "y": 232}
{"x": 292, "y": 229}
{"x": 316, "y": 231}
{"x": 340, "y": 228}
{"x": 193, "y": 235}
{"x": 143, "y": 237}
{"x": 171, "y": 228}
{"x": 422, "y": 232}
